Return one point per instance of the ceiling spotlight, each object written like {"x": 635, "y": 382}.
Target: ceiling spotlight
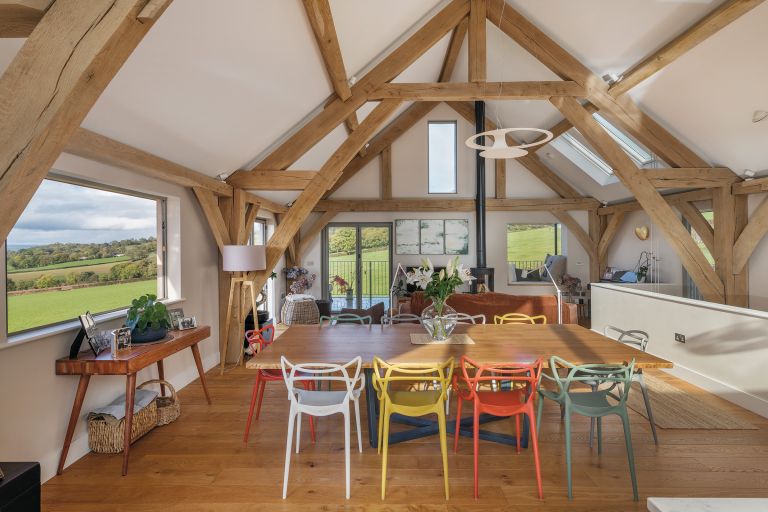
{"x": 611, "y": 78}
{"x": 748, "y": 174}
{"x": 352, "y": 80}
{"x": 222, "y": 176}
{"x": 759, "y": 115}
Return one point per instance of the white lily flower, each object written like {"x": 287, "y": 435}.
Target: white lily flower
{"x": 441, "y": 276}
{"x": 451, "y": 267}
{"x": 465, "y": 273}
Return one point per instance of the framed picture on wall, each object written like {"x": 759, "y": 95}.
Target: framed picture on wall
{"x": 432, "y": 235}
{"x": 406, "y": 236}
{"x": 457, "y": 236}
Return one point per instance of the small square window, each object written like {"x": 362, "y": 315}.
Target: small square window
{"x": 442, "y": 157}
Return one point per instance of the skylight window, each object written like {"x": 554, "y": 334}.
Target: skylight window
{"x": 587, "y": 153}
{"x": 639, "y": 154}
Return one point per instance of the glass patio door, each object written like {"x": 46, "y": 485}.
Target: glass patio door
{"x": 357, "y": 264}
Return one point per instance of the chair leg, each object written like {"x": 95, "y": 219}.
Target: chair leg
{"x": 382, "y": 412}
{"x": 647, "y": 400}
{"x": 261, "y": 397}
{"x": 517, "y": 433}
{"x": 256, "y": 386}
{"x": 384, "y": 440}
{"x": 458, "y": 424}
{"x": 476, "y": 445}
{"x": 298, "y": 431}
{"x": 535, "y": 442}
{"x": 568, "y": 452}
{"x": 539, "y": 407}
{"x": 346, "y": 448}
{"x": 599, "y": 436}
{"x": 444, "y": 448}
{"x": 357, "y": 426}
{"x": 312, "y": 428}
{"x": 591, "y": 432}
{"x": 630, "y": 456}
{"x": 291, "y": 419}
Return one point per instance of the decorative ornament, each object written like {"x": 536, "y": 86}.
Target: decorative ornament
{"x": 500, "y": 150}
{"x": 642, "y": 232}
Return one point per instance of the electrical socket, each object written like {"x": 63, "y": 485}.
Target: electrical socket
{"x": 680, "y": 338}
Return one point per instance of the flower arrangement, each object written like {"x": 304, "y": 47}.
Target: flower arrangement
{"x": 340, "y": 282}
{"x": 302, "y": 279}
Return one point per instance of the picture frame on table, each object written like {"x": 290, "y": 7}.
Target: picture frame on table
{"x": 174, "y": 315}
{"x": 187, "y": 323}
{"x": 121, "y": 340}
{"x": 97, "y": 342}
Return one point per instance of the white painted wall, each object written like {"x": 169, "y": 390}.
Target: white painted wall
{"x": 726, "y": 348}
{"x": 409, "y": 180}
{"x": 35, "y": 403}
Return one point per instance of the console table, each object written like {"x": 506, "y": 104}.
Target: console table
{"x": 128, "y": 363}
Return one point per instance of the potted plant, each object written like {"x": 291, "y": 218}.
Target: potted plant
{"x": 148, "y": 319}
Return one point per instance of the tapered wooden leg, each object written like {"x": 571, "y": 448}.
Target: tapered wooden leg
{"x": 161, "y": 376}
{"x": 130, "y": 392}
{"x": 225, "y": 343}
{"x": 200, "y": 371}
{"x": 82, "y": 387}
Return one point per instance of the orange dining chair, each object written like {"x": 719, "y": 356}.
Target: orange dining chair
{"x": 258, "y": 341}
{"x": 519, "y": 318}
{"x": 515, "y": 401}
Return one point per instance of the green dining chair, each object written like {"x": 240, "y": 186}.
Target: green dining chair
{"x": 347, "y": 318}
{"x": 592, "y": 404}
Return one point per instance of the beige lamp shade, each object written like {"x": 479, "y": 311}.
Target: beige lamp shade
{"x": 244, "y": 258}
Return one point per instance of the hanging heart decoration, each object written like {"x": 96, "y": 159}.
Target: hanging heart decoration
{"x": 642, "y": 232}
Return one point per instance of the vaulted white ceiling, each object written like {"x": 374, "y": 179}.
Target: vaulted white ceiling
{"x": 214, "y": 88}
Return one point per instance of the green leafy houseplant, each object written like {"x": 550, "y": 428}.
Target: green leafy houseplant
{"x": 147, "y": 313}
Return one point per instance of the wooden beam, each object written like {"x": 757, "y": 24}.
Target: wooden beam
{"x": 259, "y": 179}
{"x": 500, "y": 182}
{"x": 252, "y": 210}
{"x": 755, "y": 186}
{"x": 323, "y": 180}
{"x": 385, "y": 174}
{"x": 321, "y": 20}
{"x": 52, "y": 83}
{"x": 753, "y": 233}
{"x": 452, "y": 55}
{"x": 611, "y": 229}
{"x": 476, "y": 46}
{"x": 216, "y": 222}
{"x": 19, "y": 17}
{"x": 449, "y": 91}
{"x": 264, "y": 203}
{"x": 314, "y": 230}
{"x": 673, "y": 199}
{"x": 532, "y": 205}
{"x": 622, "y": 110}
{"x": 464, "y": 205}
{"x": 709, "y": 25}
{"x": 561, "y": 127}
{"x": 335, "y": 112}
{"x": 575, "y": 229}
{"x": 96, "y": 147}
{"x": 697, "y": 177}
{"x": 530, "y": 161}
{"x": 652, "y": 202}
{"x": 698, "y": 223}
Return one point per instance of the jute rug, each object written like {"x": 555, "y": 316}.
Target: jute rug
{"x": 674, "y": 408}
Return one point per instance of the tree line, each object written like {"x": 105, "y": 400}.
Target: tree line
{"x": 54, "y": 254}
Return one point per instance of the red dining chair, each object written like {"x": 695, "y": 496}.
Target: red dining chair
{"x": 258, "y": 341}
{"x": 517, "y": 400}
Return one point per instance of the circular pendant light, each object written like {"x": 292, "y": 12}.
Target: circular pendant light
{"x": 500, "y": 150}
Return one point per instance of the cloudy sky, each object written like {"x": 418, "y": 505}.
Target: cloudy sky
{"x": 61, "y": 212}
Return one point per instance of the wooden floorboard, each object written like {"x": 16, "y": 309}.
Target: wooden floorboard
{"x": 199, "y": 463}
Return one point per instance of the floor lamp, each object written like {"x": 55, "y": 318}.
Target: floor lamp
{"x": 544, "y": 268}
{"x": 240, "y": 259}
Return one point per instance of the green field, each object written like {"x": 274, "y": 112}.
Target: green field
{"x": 34, "y": 274}
{"x": 43, "y": 308}
{"x": 533, "y": 244}
{"x": 72, "y": 264}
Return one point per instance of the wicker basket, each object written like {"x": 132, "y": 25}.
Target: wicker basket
{"x": 168, "y": 407}
{"x": 107, "y": 436}
{"x": 300, "y": 312}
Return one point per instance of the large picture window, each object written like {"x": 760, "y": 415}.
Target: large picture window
{"x": 442, "y": 157}
{"x": 79, "y": 248}
{"x": 529, "y": 244}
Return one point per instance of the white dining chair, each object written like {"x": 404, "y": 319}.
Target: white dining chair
{"x": 322, "y": 403}
{"x": 464, "y": 318}
{"x": 401, "y": 318}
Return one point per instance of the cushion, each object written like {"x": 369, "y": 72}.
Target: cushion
{"x": 511, "y": 273}
{"x": 557, "y": 266}
{"x": 376, "y": 312}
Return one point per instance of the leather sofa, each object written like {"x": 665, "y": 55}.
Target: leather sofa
{"x": 491, "y": 304}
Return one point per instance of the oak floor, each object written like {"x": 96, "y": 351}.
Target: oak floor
{"x": 199, "y": 463}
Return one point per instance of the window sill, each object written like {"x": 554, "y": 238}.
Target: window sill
{"x": 71, "y": 326}
{"x": 531, "y": 283}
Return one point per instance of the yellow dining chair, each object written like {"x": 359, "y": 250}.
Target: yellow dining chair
{"x": 519, "y": 318}
{"x": 410, "y": 403}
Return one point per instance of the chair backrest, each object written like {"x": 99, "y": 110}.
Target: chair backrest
{"x": 520, "y": 373}
{"x": 463, "y": 318}
{"x": 614, "y": 374}
{"x": 347, "y": 318}
{"x": 633, "y": 337}
{"x": 401, "y": 318}
{"x": 385, "y": 373}
{"x": 261, "y": 338}
{"x": 519, "y": 318}
{"x": 348, "y": 374}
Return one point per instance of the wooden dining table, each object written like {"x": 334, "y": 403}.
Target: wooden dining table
{"x": 519, "y": 343}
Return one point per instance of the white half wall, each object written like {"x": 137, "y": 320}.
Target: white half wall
{"x": 725, "y": 349}
{"x": 35, "y": 403}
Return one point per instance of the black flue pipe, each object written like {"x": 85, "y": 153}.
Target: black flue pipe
{"x": 480, "y": 186}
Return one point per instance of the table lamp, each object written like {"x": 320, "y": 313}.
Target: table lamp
{"x": 240, "y": 259}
